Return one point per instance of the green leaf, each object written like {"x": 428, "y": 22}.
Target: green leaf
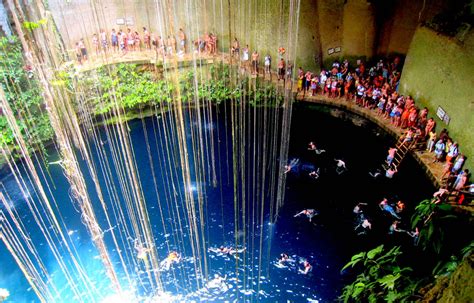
{"x": 374, "y": 252}
{"x": 388, "y": 281}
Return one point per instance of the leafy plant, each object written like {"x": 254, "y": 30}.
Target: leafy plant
{"x": 445, "y": 268}
{"x": 24, "y": 97}
{"x": 381, "y": 277}
{"x": 430, "y": 217}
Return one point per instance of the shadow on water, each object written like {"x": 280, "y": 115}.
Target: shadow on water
{"x": 327, "y": 242}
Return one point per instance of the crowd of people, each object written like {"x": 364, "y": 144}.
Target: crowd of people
{"x": 375, "y": 87}
{"x": 130, "y": 40}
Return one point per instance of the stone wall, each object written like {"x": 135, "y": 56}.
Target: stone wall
{"x": 438, "y": 72}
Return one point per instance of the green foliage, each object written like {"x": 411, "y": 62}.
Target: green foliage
{"x": 29, "y": 25}
{"x": 380, "y": 277}
{"x": 430, "y": 218}
{"x": 445, "y": 268}
{"x": 24, "y": 96}
{"x": 131, "y": 87}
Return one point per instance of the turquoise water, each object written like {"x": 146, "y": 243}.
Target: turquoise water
{"x": 327, "y": 242}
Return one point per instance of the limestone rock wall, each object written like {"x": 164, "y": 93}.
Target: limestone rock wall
{"x": 438, "y": 72}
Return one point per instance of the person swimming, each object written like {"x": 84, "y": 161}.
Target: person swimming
{"x": 312, "y": 147}
{"x": 358, "y": 208}
{"x": 306, "y": 268}
{"x": 394, "y": 228}
{"x": 390, "y": 172}
{"x": 363, "y": 225}
{"x": 173, "y": 257}
{"x": 142, "y": 251}
{"x": 310, "y": 213}
{"x": 415, "y": 235}
{"x": 217, "y": 283}
{"x": 376, "y": 174}
{"x": 226, "y": 250}
{"x": 314, "y": 174}
{"x": 340, "y": 166}
{"x": 293, "y": 164}
{"x": 283, "y": 258}
{"x": 384, "y": 206}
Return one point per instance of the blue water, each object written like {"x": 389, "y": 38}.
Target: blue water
{"x": 327, "y": 242}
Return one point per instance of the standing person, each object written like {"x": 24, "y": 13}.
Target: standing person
{"x": 146, "y": 38}
{"x": 122, "y": 41}
{"x": 281, "y": 69}
{"x": 439, "y": 150}
{"x": 95, "y": 43}
{"x": 169, "y": 47}
{"x": 138, "y": 42}
{"x": 114, "y": 40}
{"x": 78, "y": 53}
{"x": 431, "y": 141}
{"x": 103, "y": 40}
{"x": 130, "y": 40}
{"x": 160, "y": 46}
{"x": 314, "y": 86}
{"x": 245, "y": 56}
{"x": 307, "y": 82}
{"x": 268, "y": 63}
{"x": 182, "y": 40}
{"x": 214, "y": 43}
{"x": 289, "y": 70}
{"x": 458, "y": 164}
{"x": 83, "y": 49}
{"x": 452, "y": 152}
{"x": 235, "y": 50}
{"x": 255, "y": 58}
{"x": 173, "y": 44}
{"x": 299, "y": 86}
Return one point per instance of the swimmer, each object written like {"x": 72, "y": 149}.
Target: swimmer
{"x": 310, "y": 213}
{"x": 415, "y": 235}
{"x": 399, "y": 207}
{"x": 376, "y": 174}
{"x": 4, "y": 294}
{"x": 293, "y": 163}
{"x": 358, "y": 208}
{"x": 225, "y": 250}
{"x": 306, "y": 268}
{"x": 217, "y": 282}
{"x": 341, "y": 166}
{"x": 141, "y": 250}
{"x": 312, "y": 147}
{"x": 384, "y": 206}
{"x": 314, "y": 174}
{"x": 363, "y": 226}
{"x": 283, "y": 258}
{"x": 392, "y": 170}
{"x": 173, "y": 257}
{"x": 394, "y": 228}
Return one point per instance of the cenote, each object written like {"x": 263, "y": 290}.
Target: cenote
{"x": 236, "y": 209}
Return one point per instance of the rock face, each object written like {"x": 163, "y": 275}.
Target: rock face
{"x": 457, "y": 288}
